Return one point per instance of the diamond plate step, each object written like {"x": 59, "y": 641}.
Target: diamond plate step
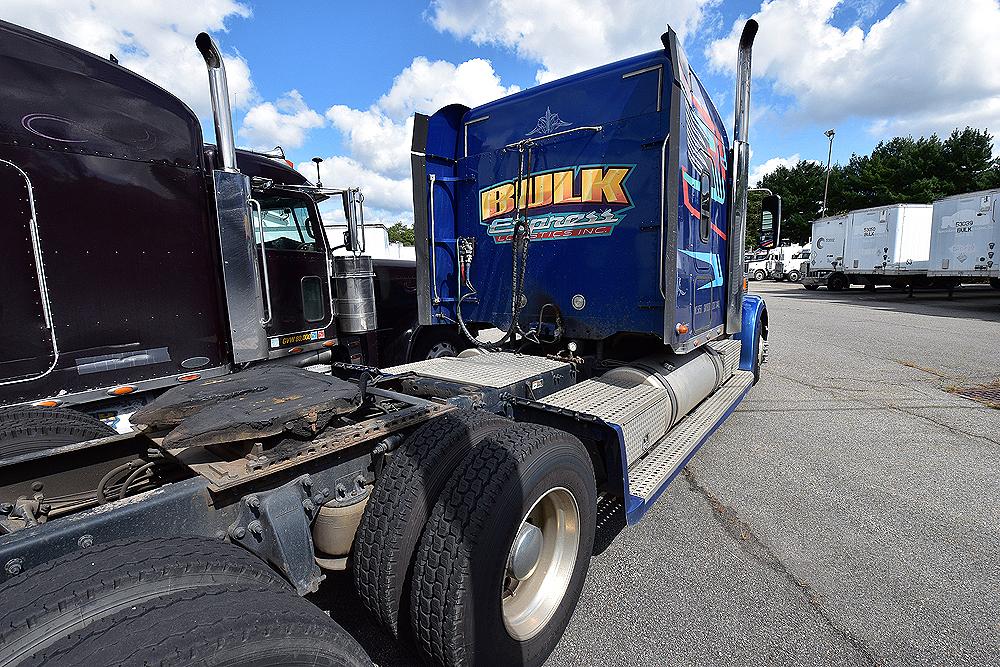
{"x": 649, "y": 474}
{"x": 495, "y": 369}
{"x": 730, "y": 350}
{"x": 640, "y": 411}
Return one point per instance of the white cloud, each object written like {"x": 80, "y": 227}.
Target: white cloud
{"x": 378, "y": 138}
{"x": 927, "y": 65}
{"x": 766, "y": 167}
{"x": 386, "y": 199}
{"x": 154, "y": 39}
{"x": 568, "y": 36}
{"x": 284, "y": 123}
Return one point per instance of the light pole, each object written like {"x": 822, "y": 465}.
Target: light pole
{"x": 826, "y": 188}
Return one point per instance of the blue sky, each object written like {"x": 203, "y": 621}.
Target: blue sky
{"x": 387, "y": 35}
{"x": 342, "y": 79}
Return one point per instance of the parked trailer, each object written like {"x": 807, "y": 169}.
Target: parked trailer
{"x": 888, "y": 245}
{"x": 461, "y": 491}
{"x": 826, "y": 262}
{"x": 965, "y": 237}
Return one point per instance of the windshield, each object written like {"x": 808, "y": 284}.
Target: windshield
{"x": 288, "y": 224}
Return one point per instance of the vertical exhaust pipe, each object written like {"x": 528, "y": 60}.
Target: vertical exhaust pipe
{"x": 221, "y": 112}
{"x": 740, "y": 174}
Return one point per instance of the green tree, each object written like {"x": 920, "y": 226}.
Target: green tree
{"x": 902, "y": 170}
{"x": 401, "y": 233}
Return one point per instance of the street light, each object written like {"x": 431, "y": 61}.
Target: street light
{"x": 826, "y": 188}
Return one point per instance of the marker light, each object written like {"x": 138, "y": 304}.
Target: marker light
{"x": 121, "y": 391}
{"x": 47, "y": 404}
{"x": 681, "y": 328}
{"x": 295, "y": 350}
{"x": 188, "y": 378}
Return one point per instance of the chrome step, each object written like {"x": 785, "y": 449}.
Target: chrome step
{"x": 648, "y": 475}
{"x": 640, "y": 411}
{"x": 730, "y": 350}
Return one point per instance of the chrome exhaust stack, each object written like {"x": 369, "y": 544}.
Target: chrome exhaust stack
{"x": 221, "y": 112}
{"x": 738, "y": 200}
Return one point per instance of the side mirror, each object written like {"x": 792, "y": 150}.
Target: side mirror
{"x": 770, "y": 222}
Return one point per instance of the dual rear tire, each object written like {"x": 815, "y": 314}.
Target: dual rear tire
{"x": 503, "y": 548}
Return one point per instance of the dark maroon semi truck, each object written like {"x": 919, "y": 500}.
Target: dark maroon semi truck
{"x": 128, "y": 262}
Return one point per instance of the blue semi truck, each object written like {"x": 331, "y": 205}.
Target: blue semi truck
{"x": 586, "y": 237}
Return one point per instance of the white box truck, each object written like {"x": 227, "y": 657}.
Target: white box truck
{"x": 888, "y": 245}
{"x": 964, "y": 237}
{"x": 826, "y": 261}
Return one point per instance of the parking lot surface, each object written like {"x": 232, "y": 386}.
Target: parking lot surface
{"x": 845, "y": 514}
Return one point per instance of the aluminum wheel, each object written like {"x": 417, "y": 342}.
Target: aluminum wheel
{"x": 540, "y": 563}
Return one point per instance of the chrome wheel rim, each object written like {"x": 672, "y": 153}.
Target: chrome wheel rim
{"x": 540, "y": 563}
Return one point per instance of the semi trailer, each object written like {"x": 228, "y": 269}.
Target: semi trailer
{"x": 597, "y": 221}
{"x": 882, "y": 245}
{"x": 965, "y": 237}
{"x": 826, "y": 261}
{"x": 123, "y": 277}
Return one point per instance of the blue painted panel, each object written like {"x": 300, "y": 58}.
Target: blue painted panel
{"x": 753, "y": 312}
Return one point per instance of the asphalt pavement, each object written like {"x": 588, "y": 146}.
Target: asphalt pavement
{"x": 845, "y": 514}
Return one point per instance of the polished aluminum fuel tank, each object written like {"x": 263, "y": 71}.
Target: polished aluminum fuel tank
{"x": 355, "y": 281}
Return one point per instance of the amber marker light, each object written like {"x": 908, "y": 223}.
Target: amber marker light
{"x": 295, "y": 350}
{"x": 188, "y": 378}
{"x": 328, "y": 343}
{"x": 46, "y": 404}
{"x": 681, "y": 328}
{"x": 121, "y": 391}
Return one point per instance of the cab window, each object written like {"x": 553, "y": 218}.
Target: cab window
{"x": 288, "y": 224}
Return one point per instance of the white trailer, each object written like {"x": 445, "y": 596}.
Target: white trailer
{"x": 965, "y": 235}
{"x": 888, "y": 245}
{"x": 826, "y": 261}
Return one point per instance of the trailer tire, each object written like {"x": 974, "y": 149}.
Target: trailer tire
{"x": 25, "y": 429}
{"x": 402, "y": 499}
{"x": 837, "y": 283}
{"x": 65, "y": 595}
{"x": 214, "y": 626}
{"x": 460, "y": 612}
{"x": 759, "y": 275}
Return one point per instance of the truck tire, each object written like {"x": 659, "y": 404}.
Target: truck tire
{"x": 402, "y": 500}
{"x": 437, "y": 341}
{"x": 759, "y": 275}
{"x": 25, "y": 429}
{"x": 811, "y": 288}
{"x": 518, "y": 514}
{"x": 48, "y": 602}
{"x": 794, "y": 276}
{"x": 214, "y": 626}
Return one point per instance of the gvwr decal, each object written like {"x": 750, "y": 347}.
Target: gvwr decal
{"x": 570, "y": 202}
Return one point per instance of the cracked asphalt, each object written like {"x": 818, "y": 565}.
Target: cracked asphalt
{"x": 846, "y": 514}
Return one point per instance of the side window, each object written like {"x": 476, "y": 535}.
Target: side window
{"x": 288, "y": 225}
{"x": 313, "y": 306}
{"x": 706, "y": 205}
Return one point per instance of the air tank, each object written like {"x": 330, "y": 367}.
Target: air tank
{"x": 355, "y": 281}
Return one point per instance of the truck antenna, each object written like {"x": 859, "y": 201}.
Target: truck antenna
{"x": 317, "y": 160}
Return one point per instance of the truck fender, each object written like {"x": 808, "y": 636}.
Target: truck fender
{"x": 754, "y": 323}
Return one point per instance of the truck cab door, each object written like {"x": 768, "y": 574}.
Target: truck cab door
{"x": 295, "y": 272}
{"x": 702, "y": 243}
{"x": 27, "y": 342}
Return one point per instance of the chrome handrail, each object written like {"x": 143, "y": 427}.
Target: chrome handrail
{"x": 663, "y": 206}
{"x": 263, "y": 261}
{"x": 43, "y": 289}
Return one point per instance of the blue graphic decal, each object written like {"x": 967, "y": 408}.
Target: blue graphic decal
{"x": 712, "y": 260}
